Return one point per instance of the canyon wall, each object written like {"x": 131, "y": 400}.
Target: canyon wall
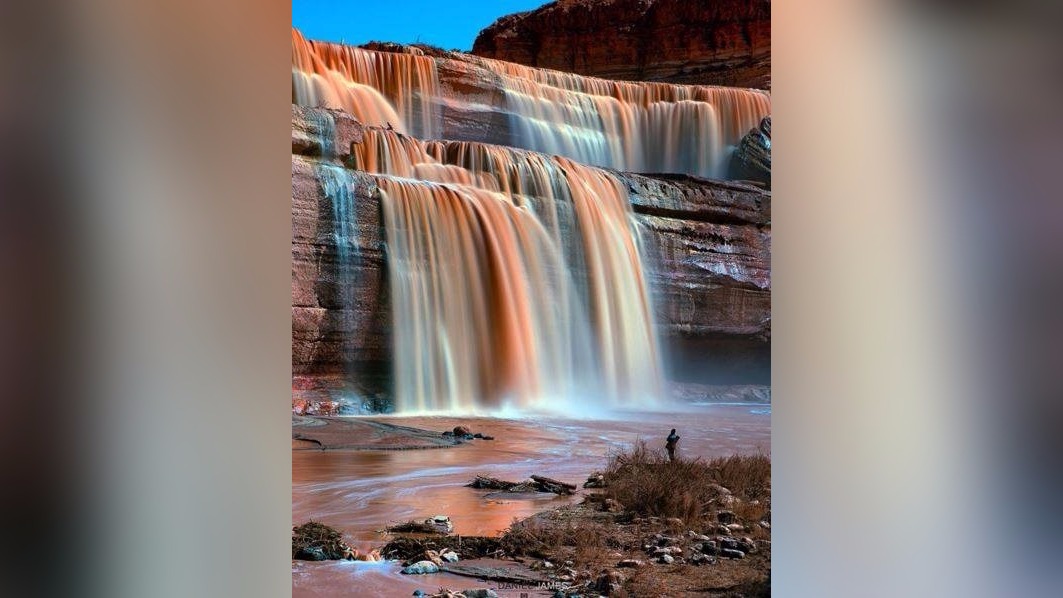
{"x": 718, "y": 42}
{"x": 708, "y": 244}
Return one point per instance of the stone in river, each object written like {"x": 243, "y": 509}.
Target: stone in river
{"x": 311, "y": 553}
{"x": 420, "y": 568}
{"x": 442, "y": 524}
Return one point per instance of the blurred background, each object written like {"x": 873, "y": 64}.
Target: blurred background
{"x": 145, "y": 263}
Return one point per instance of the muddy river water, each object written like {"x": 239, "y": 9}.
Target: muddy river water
{"x": 362, "y": 491}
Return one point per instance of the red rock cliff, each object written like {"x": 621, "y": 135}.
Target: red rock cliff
{"x": 716, "y": 42}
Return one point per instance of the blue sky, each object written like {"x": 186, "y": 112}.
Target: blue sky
{"x": 450, "y": 24}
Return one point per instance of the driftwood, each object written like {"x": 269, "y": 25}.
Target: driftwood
{"x": 314, "y": 541}
{"x": 413, "y": 527}
{"x": 552, "y": 485}
{"x": 537, "y": 483}
{"x": 410, "y": 550}
{"x": 490, "y": 483}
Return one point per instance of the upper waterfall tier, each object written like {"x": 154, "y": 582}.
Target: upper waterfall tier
{"x": 630, "y": 126}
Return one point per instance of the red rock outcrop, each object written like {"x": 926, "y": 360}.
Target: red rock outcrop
{"x": 717, "y": 42}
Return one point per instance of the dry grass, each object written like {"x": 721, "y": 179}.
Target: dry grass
{"x": 645, "y": 482}
{"x": 581, "y": 540}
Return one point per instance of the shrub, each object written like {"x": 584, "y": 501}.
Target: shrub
{"x": 645, "y": 482}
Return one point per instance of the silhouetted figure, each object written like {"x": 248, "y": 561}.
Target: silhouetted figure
{"x": 390, "y": 128}
{"x": 673, "y": 439}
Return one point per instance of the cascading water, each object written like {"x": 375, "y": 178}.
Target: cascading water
{"x": 336, "y": 183}
{"x": 631, "y": 126}
{"x": 641, "y": 127}
{"x": 379, "y": 88}
{"x": 516, "y": 279}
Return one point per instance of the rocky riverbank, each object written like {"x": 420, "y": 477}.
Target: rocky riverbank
{"x": 644, "y": 526}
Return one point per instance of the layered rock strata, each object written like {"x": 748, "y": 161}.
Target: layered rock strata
{"x": 708, "y": 246}
{"x": 723, "y": 42}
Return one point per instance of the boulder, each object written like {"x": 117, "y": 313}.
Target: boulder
{"x": 449, "y": 556}
{"x": 421, "y": 568}
{"x": 747, "y": 545}
{"x": 702, "y": 559}
{"x": 311, "y": 553}
{"x": 441, "y": 523}
{"x": 732, "y": 553}
{"x": 751, "y": 160}
{"x": 609, "y": 583}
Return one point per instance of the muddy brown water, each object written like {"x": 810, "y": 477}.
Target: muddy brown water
{"x": 361, "y": 491}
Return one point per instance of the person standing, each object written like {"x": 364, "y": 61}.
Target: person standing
{"x": 673, "y": 440}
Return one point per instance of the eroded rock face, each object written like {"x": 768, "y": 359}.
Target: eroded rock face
{"x": 337, "y": 328}
{"x": 722, "y": 42}
{"x": 752, "y": 158}
{"x": 708, "y": 242}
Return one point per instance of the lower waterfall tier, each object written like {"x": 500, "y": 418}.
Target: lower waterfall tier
{"x": 707, "y": 244}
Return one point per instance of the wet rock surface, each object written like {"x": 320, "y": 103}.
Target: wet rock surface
{"x": 752, "y": 158}
{"x": 709, "y": 241}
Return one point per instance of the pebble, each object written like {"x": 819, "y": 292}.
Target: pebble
{"x": 666, "y": 559}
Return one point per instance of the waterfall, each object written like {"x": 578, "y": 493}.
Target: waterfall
{"x": 336, "y": 182}
{"x": 631, "y": 126}
{"x": 516, "y": 279}
{"x": 640, "y": 127}
{"x": 379, "y": 88}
